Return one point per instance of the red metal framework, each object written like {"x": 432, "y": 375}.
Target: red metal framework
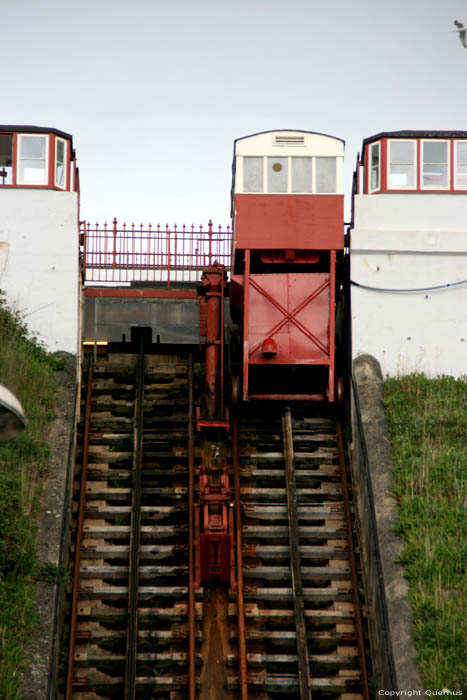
{"x": 213, "y": 282}
{"x": 125, "y": 254}
{"x": 212, "y": 523}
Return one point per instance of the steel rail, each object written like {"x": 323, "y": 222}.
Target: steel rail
{"x": 353, "y": 567}
{"x": 304, "y": 677}
{"x": 79, "y": 534}
{"x": 238, "y": 545}
{"x": 191, "y": 570}
{"x": 133, "y": 573}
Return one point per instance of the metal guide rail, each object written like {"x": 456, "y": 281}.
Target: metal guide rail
{"x": 288, "y": 623}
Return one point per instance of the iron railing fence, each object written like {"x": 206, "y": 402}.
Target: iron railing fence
{"x": 128, "y": 253}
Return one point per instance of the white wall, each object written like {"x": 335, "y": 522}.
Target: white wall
{"x": 39, "y": 262}
{"x": 409, "y": 241}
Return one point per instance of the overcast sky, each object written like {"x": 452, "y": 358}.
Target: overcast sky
{"x": 154, "y": 92}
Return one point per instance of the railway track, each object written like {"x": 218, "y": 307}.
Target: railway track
{"x": 129, "y": 624}
{"x": 301, "y": 616}
{"x": 138, "y": 627}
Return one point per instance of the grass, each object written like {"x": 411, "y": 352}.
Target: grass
{"x": 428, "y": 426}
{"x": 27, "y": 370}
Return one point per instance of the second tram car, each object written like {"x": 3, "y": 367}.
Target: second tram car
{"x": 288, "y": 238}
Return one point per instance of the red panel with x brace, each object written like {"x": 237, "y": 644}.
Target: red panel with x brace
{"x": 293, "y": 309}
{"x": 288, "y": 319}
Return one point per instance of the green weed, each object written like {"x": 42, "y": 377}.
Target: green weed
{"x": 427, "y": 422}
{"x": 52, "y": 573}
{"x": 27, "y": 370}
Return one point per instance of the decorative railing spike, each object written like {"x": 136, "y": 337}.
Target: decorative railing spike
{"x": 129, "y": 253}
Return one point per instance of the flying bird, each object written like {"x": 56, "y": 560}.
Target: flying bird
{"x": 462, "y": 29}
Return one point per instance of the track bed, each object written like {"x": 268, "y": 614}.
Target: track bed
{"x": 105, "y": 620}
{"x": 287, "y": 627}
{"x": 302, "y": 524}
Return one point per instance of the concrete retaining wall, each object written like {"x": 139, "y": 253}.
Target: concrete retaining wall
{"x": 389, "y": 612}
{"x": 39, "y": 679}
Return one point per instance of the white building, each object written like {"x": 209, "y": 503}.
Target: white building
{"x": 39, "y": 262}
{"x": 409, "y": 252}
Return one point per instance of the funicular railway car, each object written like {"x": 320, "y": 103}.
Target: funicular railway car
{"x": 288, "y": 225}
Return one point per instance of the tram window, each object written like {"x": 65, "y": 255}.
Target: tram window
{"x": 278, "y": 175}
{"x": 374, "y": 167}
{"x": 435, "y": 164}
{"x": 253, "y": 176}
{"x": 461, "y": 164}
{"x": 401, "y": 164}
{"x": 326, "y": 175}
{"x": 33, "y": 160}
{"x": 6, "y": 159}
{"x": 302, "y": 174}
{"x": 60, "y": 162}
